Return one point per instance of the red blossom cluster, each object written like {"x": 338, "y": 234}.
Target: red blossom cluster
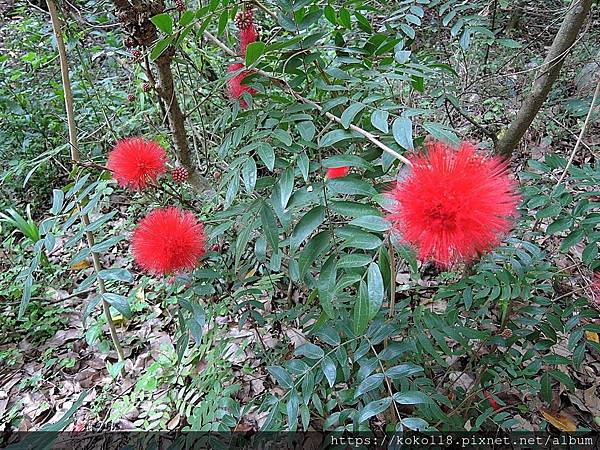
{"x": 168, "y": 240}
{"x": 454, "y": 205}
{"x": 180, "y": 174}
{"x": 235, "y": 87}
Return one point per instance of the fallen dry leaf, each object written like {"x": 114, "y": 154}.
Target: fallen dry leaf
{"x": 174, "y": 422}
{"x": 558, "y": 420}
{"x": 81, "y": 265}
{"x": 591, "y": 336}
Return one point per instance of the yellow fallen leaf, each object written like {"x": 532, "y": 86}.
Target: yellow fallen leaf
{"x": 83, "y": 264}
{"x": 591, "y": 336}
{"x": 119, "y": 320}
{"x": 251, "y": 273}
{"x": 563, "y": 423}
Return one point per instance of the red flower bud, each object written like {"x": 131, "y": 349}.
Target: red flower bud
{"x": 337, "y": 172}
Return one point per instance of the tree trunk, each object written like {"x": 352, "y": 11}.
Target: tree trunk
{"x": 140, "y": 31}
{"x": 564, "y": 39}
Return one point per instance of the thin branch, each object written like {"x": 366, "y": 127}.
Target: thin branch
{"x": 476, "y": 124}
{"x": 68, "y": 95}
{"x": 265, "y": 9}
{"x": 568, "y": 130}
{"x": 563, "y": 42}
{"x": 282, "y": 83}
{"x": 581, "y": 134}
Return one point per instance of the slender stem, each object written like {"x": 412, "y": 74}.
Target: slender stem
{"x": 392, "y": 308}
{"x": 387, "y": 382}
{"x": 68, "y": 95}
{"x": 265, "y": 9}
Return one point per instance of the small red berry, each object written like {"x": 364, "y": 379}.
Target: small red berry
{"x": 136, "y": 53}
{"x": 146, "y": 87}
{"x": 180, "y": 5}
{"x": 180, "y": 174}
{"x": 216, "y": 174}
{"x": 215, "y": 247}
{"x": 130, "y": 97}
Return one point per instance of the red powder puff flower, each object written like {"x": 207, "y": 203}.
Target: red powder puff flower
{"x": 235, "y": 86}
{"x": 135, "y": 162}
{"x": 248, "y": 35}
{"x": 168, "y": 241}
{"x": 454, "y": 205}
{"x": 337, "y": 172}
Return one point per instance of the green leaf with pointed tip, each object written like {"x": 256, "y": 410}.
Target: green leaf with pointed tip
{"x": 360, "y": 316}
{"x": 379, "y": 119}
{"x": 282, "y": 376}
{"x": 254, "y": 51}
{"x": 266, "y": 154}
{"x": 373, "y": 408}
{"x": 411, "y": 398}
{"x": 249, "y": 174}
{"x": 442, "y": 132}
{"x": 283, "y": 136}
{"x": 116, "y": 274}
{"x": 58, "y": 197}
{"x": 223, "y": 18}
{"x": 326, "y": 285}
{"x": 269, "y": 226}
{"x": 306, "y": 130}
{"x": 309, "y": 223}
{"x": 310, "y": 350}
{"x": 402, "y": 131}
{"x": 160, "y": 47}
{"x": 347, "y": 160}
{"x": 312, "y": 250}
{"x": 368, "y": 384}
{"x": 329, "y": 370}
{"x": 375, "y": 289}
{"x": 373, "y": 223}
{"x": 119, "y": 302}
{"x": 350, "y": 113}
{"x": 163, "y": 22}
{"x": 334, "y": 136}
